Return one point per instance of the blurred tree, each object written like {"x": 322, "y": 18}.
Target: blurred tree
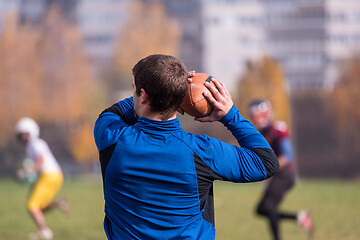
{"x": 67, "y": 80}
{"x": 82, "y": 145}
{"x": 20, "y": 75}
{"x": 69, "y": 90}
{"x": 45, "y": 75}
{"x": 344, "y": 99}
{"x": 264, "y": 80}
{"x": 149, "y": 30}
{"x": 327, "y": 126}
{"x": 346, "y": 95}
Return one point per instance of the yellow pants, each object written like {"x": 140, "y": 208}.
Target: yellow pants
{"x": 44, "y": 190}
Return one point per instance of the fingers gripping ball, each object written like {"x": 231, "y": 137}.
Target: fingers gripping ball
{"x": 194, "y": 103}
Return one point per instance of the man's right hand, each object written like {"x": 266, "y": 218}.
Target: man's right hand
{"x": 220, "y": 100}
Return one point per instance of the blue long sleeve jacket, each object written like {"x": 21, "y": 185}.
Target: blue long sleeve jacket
{"x": 158, "y": 179}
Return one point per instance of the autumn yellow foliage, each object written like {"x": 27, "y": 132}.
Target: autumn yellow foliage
{"x": 264, "y": 80}
{"x": 82, "y": 145}
{"x": 44, "y": 75}
{"x": 148, "y": 30}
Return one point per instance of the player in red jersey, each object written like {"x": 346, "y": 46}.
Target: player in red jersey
{"x": 277, "y": 134}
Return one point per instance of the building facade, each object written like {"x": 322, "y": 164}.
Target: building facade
{"x": 309, "y": 38}
{"x": 188, "y": 13}
{"x": 233, "y": 33}
{"x": 8, "y": 8}
{"x": 100, "y": 23}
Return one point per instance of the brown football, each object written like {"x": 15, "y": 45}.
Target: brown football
{"x": 194, "y": 103}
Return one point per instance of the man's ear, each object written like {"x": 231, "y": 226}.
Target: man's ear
{"x": 143, "y": 96}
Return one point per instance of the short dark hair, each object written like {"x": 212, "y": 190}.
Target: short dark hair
{"x": 164, "y": 79}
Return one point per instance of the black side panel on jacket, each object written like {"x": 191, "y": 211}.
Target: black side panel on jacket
{"x": 269, "y": 160}
{"x": 117, "y": 110}
{"x": 205, "y": 178}
{"x": 105, "y": 156}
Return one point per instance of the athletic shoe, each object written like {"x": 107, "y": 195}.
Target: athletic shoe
{"x": 304, "y": 220}
{"x": 63, "y": 206}
{"x": 45, "y": 234}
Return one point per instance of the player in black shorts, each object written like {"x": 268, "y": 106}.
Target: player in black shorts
{"x": 277, "y": 134}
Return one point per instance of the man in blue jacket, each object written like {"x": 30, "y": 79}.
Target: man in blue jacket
{"x": 158, "y": 179}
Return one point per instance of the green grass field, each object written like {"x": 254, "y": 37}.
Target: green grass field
{"x": 335, "y": 206}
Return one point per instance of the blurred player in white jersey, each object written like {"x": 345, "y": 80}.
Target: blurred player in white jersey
{"x": 50, "y": 176}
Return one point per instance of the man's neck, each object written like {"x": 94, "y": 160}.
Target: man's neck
{"x": 144, "y": 110}
{"x": 158, "y": 117}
